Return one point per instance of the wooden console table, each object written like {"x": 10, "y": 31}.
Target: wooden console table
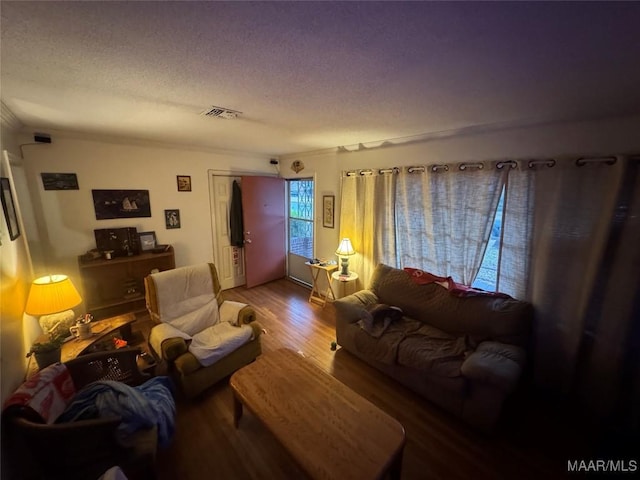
{"x": 330, "y": 430}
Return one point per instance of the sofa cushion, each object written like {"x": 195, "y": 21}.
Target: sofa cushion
{"x": 495, "y": 363}
{"x": 482, "y": 318}
{"x": 385, "y": 348}
{"x": 432, "y": 350}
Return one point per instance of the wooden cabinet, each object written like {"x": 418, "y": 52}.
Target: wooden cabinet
{"x": 116, "y": 286}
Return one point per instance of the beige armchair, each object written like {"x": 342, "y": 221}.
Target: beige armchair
{"x": 202, "y": 337}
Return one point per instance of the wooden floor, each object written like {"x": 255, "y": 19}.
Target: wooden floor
{"x": 527, "y": 445}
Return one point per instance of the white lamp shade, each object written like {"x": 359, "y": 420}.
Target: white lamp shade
{"x": 52, "y": 294}
{"x": 345, "y": 248}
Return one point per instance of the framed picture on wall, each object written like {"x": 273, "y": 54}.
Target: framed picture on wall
{"x": 59, "y": 181}
{"x": 172, "y": 218}
{"x": 184, "y": 183}
{"x": 9, "y": 209}
{"x": 121, "y": 203}
{"x": 328, "y": 211}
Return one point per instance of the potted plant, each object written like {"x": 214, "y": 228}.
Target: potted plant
{"x": 48, "y": 351}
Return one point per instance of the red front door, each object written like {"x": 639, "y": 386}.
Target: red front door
{"x": 264, "y": 229}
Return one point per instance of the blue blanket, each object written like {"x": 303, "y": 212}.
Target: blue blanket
{"x": 150, "y": 404}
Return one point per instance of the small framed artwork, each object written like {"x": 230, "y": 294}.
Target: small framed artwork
{"x": 184, "y": 183}
{"x": 328, "y": 202}
{"x": 121, "y": 203}
{"x": 59, "y": 181}
{"x": 172, "y": 218}
{"x": 9, "y": 209}
{"x": 147, "y": 241}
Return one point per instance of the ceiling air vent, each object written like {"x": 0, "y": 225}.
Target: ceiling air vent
{"x": 221, "y": 112}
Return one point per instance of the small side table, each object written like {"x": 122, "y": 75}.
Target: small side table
{"x": 346, "y": 285}
{"x": 316, "y": 271}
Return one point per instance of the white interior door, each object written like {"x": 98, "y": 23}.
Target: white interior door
{"x": 229, "y": 259}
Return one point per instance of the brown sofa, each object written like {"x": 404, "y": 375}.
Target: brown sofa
{"x": 465, "y": 354}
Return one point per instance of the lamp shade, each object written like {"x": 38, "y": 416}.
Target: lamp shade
{"x": 52, "y": 294}
{"x": 345, "y": 248}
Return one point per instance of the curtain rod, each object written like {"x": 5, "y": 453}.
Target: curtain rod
{"x": 582, "y": 161}
{"x": 435, "y": 168}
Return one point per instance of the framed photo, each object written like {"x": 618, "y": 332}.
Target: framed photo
{"x": 147, "y": 241}
{"x": 59, "y": 181}
{"x": 9, "y": 209}
{"x": 328, "y": 202}
{"x": 184, "y": 183}
{"x": 121, "y": 203}
{"x": 172, "y": 218}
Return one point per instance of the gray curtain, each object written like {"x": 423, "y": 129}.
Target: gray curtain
{"x": 445, "y": 218}
{"x": 436, "y": 221}
{"x": 584, "y": 281}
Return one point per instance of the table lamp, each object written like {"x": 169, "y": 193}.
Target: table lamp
{"x": 52, "y": 297}
{"x": 345, "y": 250}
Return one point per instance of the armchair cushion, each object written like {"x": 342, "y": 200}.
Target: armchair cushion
{"x": 217, "y": 341}
{"x": 199, "y": 318}
{"x": 186, "y": 298}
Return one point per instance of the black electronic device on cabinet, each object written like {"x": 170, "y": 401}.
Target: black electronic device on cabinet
{"x": 122, "y": 242}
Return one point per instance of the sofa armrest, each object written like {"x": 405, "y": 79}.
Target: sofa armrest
{"x": 495, "y": 363}
{"x": 349, "y": 309}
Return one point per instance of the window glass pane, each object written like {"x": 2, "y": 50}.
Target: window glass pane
{"x": 301, "y": 217}
{"x": 301, "y": 237}
{"x": 487, "y": 277}
{"x": 301, "y": 199}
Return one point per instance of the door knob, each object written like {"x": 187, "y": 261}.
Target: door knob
{"x": 248, "y": 240}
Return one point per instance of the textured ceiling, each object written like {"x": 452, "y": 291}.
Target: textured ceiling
{"x": 310, "y": 75}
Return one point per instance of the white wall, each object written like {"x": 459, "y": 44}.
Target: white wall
{"x": 67, "y": 217}
{"x": 15, "y": 279}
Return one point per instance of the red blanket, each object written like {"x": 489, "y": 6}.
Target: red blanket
{"x": 423, "y": 278}
{"x": 48, "y": 392}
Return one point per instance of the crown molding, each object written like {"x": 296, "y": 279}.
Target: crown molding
{"x": 9, "y": 119}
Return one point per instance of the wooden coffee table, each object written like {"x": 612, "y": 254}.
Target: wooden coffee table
{"x": 331, "y": 431}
